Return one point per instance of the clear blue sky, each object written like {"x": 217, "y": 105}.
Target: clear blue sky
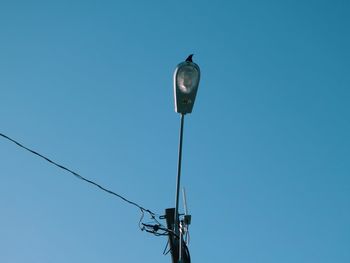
{"x": 266, "y": 149}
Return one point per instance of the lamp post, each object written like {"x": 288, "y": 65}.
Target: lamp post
{"x": 186, "y": 81}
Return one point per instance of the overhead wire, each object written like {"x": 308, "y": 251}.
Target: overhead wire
{"x": 152, "y": 214}
{"x": 157, "y": 229}
{"x": 166, "y": 250}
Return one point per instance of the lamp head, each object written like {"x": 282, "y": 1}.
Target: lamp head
{"x": 186, "y": 81}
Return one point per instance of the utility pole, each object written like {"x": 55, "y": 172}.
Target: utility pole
{"x": 186, "y": 81}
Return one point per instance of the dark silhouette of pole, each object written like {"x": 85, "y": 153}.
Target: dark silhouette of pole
{"x": 176, "y": 219}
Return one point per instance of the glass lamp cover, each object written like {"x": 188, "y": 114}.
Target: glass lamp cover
{"x": 187, "y": 78}
{"x": 186, "y": 81}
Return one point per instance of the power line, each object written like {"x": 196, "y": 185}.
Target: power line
{"x": 79, "y": 176}
{"x": 156, "y": 229}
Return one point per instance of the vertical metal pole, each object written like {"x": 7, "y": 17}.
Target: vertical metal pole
{"x": 176, "y": 220}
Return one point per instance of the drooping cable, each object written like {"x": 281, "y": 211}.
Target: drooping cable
{"x": 158, "y": 230}
{"x": 166, "y": 250}
{"x": 80, "y": 177}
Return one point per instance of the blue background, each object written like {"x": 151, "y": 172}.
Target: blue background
{"x": 266, "y": 149}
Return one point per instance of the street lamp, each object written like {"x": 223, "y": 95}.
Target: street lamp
{"x": 186, "y": 81}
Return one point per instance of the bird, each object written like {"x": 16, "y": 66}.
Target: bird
{"x": 189, "y": 58}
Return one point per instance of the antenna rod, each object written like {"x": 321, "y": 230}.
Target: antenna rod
{"x": 185, "y": 200}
